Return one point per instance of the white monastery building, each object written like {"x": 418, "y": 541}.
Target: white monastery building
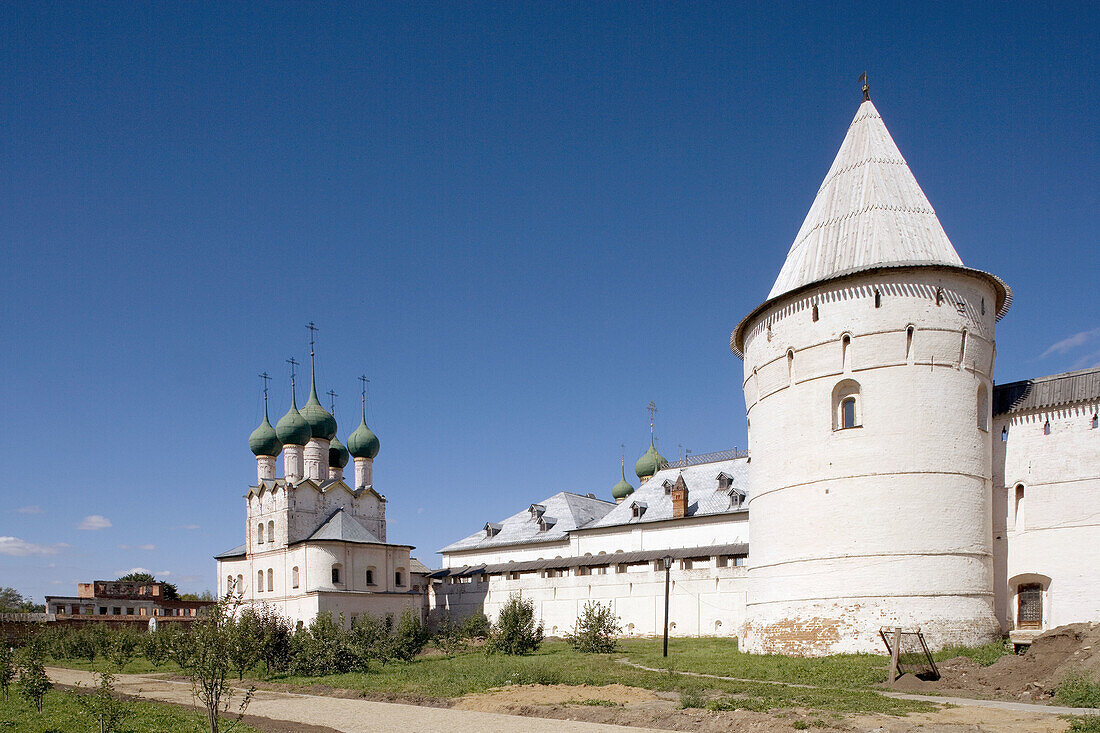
{"x": 315, "y": 543}
{"x": 888, "y": 481}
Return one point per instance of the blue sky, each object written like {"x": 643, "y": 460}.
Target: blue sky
{"x": 523, "y": 222}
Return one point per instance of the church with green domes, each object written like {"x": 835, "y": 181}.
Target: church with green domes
{"x": 315, "y": 540}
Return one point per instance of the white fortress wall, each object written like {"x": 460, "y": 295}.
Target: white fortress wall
{"x": 1046, "y": 486}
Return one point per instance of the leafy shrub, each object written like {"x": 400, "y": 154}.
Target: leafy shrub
{"x": 371, "y": 638}
{"x": 33, "y": 682}
{"x": 410, "y": 636}
{"x": 476, "y": 626}
{"x": 102, "y": 705}
{"x": 449, "y": 636}
{"x": 120, "y": 646}
{"x": 515, "y": 631}
{"x": 275, "y": 635}
{"x": 595, "y": 630}
{"x": 247, "y": 644}
{"x": 154, "y": 647}
{"x": 1078, "y": 690}
{"x": 7, "y": 668}
{"x": 323, "y": 647}
{"x": 1084, "y": 724}
{"x": 692, "y": 698}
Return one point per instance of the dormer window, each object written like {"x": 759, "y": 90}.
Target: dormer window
{"x": 537, "y": 510}
{"x": 668, "y": 486}
{"x": 492, "y": 529}
{"x": 637, "y": 509}
{"x": 737, "y": 497}
{"x": 546, "y": 523}
{"x": 725, "y": 481}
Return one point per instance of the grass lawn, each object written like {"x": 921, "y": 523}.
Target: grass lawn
{"x": 61, "y": 714}
{"x": 557, "y": 663}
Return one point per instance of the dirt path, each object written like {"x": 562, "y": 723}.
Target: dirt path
{"x": 347, "y": 715}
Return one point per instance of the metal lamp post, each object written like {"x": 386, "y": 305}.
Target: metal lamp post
{"x": 667, "y": 562}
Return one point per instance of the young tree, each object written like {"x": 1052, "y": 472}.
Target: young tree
{"x": 207, "y": 660}
{"x": 410, "y": 636}
{"x": 33, "y": 681}
{"x": 477, "y": 626}
{"x": 515, "y": 631}
{"x": 247, "y": 643}
{"x": 154, "y": 647}
{"x": 121, "y": 646}
{"x": 7, "y": 668}
{"x": 275, "y": 639}
{"x": 596, "y": 629}
{"x": 449, "y": 636}
{"x": 102, "y": 705}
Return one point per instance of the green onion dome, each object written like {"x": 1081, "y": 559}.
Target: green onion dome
{"x": 264, "y": 441}
{"x": 292, "y": 428}
{"x": 363, "y": 443}
{"x": 622, "y": 489}
{"x": 338, "y": 455}
{"x": 322, "y": 424}
{"x": 650, "y": 463}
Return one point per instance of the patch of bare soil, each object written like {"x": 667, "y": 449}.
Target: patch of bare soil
{"x": 495, "y": 701}
{"x": 1029, "y": 677}
{"x": 406, "y": 698}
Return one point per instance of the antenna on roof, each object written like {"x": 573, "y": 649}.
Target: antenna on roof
{"x": 866, "y": 89}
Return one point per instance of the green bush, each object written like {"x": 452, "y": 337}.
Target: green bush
{"x": 154, "y": 647}
{"x": 1084, "y": 724}
{"x": 323, "y": 647}
{"x": 476, "y": 626}
{"x": 7, "y": 668}
{"x": 409, "y": 637}
{"x": 449, "y": 636}
{"x": 1078, "y": 690}
{"x": 33, "y": 682}
{"x": 595, "y": 630}
{"x": 515, "y": 631}
{"x": 102, "y": 705}
{"x": 121, "y": 645}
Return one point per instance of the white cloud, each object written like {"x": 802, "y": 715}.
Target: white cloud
{"x": 94, "y": 521}
{"x": 162, "y": 573}
{"x": 147, "y": 547}
{"x": 1071, "y": 342}
{"x": 132, "y": 571}
{"x": 190, "y": 526}
{"x": 30, "y": 509}
{"x": 124, "y": 547}
{"x": 21, "y": 548}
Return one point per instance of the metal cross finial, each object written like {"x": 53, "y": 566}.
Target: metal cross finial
{"x": 365, "y": 381}
{"x": 312, "y": 340}
{"x": 652, "y": 411}
{"x": 266, "y": 379}
{"x": 293, "y": 363}
{"x": 622, "y": 456}
{"x": 332, "y": 401}
{"x": 866, "y": 89}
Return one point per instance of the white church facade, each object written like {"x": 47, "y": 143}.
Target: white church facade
{"x": 888, "y": 481}
{"x": 315, "y": 543}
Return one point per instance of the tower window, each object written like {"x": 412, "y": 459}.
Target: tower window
{"x": 1046, "y": 428}
{"x": 270, "y": 580}
{"x": 259, "y": 581}
{"x": 909, "y": 333}
{"x": 878, "y": 298}
{"x": 983, "y": 408}
{"x": 846, "y": 352}
{"x": 1004, "y": 434}
{"x": 816, "y": 315}
{"x": 336, "y": 574}
{"x": 240, "y": 584}
{"x": 294, "y": 577}
{"x": 370, "y": 576}
{"x": 260, "y": 533}
{"x": 398, "y": 578}
{"x": 846, "y": 405}
{"x": 271, "y": 531}
{"x": 1019, "y": 509}
{"x": 790, "y": 366}
{"x": 1095, "y": 420}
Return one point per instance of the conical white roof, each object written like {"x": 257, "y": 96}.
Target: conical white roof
{"x": 869, "y": 212}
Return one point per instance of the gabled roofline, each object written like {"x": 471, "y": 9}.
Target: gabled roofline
{"x": 1003, "y": 291}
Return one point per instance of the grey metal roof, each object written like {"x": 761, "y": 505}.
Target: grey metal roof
{"x": 238, "y": 551}
{"x": 618, "y": 558}
{"x": 704, "y": 496}
{"x": 343, "y": 527}
{"x": 568, "y": 511}
{"x": 415, "y": 566}
{"x": 1051, "y": 391}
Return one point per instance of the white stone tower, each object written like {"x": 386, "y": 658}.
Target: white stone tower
{"x": 867, "y": 385}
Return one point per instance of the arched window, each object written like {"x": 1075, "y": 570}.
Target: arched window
{"x": 846, "y": 352}
{"x": 370, "y": 576}
{"x": 294, "y": 577}
{"x": 909, "y": 333}
{"x": 271, "y": 531}
{"x": 1095, "y": 420}
{"x": 847, "y": 410}
{"x": 816, "y": 315}
{"x": 336, "y": 574}
{"x": 1046, "y": 428}
{"x": 983, "y": 408}
{"x": 270, "y": 580}
{"x": 878, "y": 298}
{"x": 260, "y": 533}
{"x": 1004, "y": 434}
{"x": 962, "y": 349}
{"x": 229, "y": 584}
{"x": 398, "y": 578}
{"x": 240, "y": 584}
{"x": 259, "y": 581}
{"x": 790, "y": 366}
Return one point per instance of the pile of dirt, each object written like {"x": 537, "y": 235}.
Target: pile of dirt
{"x": 1031, "y": 676}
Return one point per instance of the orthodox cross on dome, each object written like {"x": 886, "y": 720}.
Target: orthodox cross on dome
{"x": 312, "y": 341}
{"x": 866, "y": 89}
{"x": 332, "y": 401}
{"x": 293, "y": 366}
{"x": 267, "y": 378}
{"x": 365, "y": 381}
{"x": 652, "y": 408}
